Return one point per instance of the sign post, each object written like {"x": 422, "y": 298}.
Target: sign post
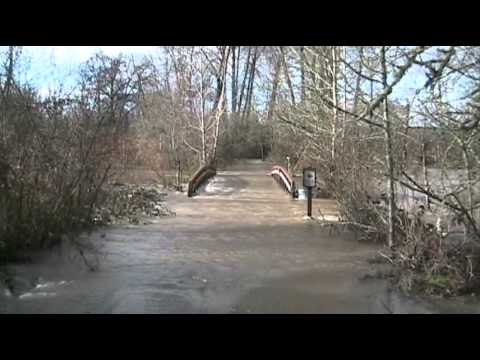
{"x": 309, "y": 181}
{"x": 179, "y": 174}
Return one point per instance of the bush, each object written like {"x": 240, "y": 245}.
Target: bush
{"x": 57, "y": 160}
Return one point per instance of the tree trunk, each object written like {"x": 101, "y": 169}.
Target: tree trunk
{"x": 251, "y": 79}
{"x": 203, "y": 154}
{"x": 388, "y": 157}
{"x": 344, "y": 79}
{"x": 356, "y": 97}
{"x": 234, "y": 79}
{"x": 245, "y": 75}
{"x": 218, "y": 111}
{"x": 302, "y": 73}
{"x": 468, "y": 229}
{"x": 273, "y": 96}
{"x": 426, "y": 183}
{"x": 335, "y": 113}
{"x": 287, "y": 75}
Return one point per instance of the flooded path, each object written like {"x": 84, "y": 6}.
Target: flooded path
{"x": 241, "y": 246}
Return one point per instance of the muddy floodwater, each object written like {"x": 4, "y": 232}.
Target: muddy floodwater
{"x": 241, "y": 246}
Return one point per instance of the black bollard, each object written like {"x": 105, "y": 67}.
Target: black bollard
{"x": 309, "y": 181}
{"x": 309, "y": 202}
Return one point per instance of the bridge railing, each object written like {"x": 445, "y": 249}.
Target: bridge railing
{"x": 285, "y": 179}
{"x": 199, "y": 177}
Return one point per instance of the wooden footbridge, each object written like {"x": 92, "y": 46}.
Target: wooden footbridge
{"x": 208, "y": 171}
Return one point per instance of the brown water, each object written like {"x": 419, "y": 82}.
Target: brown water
{"x": 241, "y": 246}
